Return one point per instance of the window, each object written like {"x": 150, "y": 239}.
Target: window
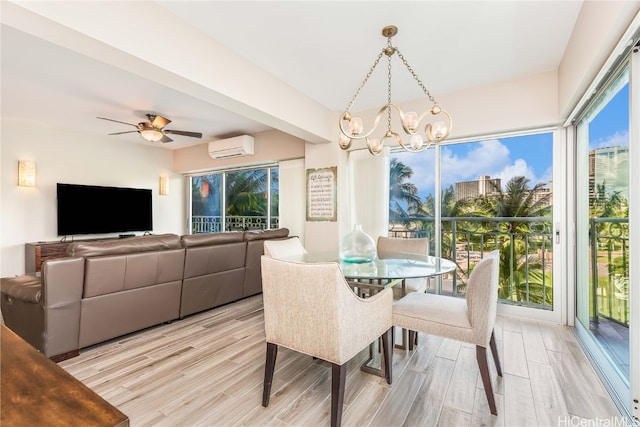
{"x": 243, "y": 199}
{"x": 491, "y": 194}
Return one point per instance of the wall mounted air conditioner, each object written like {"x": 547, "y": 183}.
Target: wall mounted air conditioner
{"x": 232, "y": 147}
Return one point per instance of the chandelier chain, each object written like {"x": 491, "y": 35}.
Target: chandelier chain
{"x": 364, "y": 82}
{"x": 389, "y": 91}
{"x": 415, "y": 76}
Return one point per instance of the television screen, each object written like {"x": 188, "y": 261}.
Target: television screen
{"x": 89, "y": 209}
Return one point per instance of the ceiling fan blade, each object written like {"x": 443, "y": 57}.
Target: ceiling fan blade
{"x": 165, "y": 138}
{"x": 184, "y": 133}
{"x": 158, "y": 121}
{"x": 117, "y": 121}
{"x": 120, "y": 133}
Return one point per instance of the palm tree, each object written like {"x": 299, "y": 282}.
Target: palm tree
{"x": 246, "y": 193}
{"x": 522, "y": 276}
{"x": 521, "y": 273}
{"x": 607, "y": 204}
{"x": 402, "y": 192}
{"x": 517, "y": 201}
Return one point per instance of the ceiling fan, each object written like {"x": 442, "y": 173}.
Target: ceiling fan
{"x": 154, "y": 130}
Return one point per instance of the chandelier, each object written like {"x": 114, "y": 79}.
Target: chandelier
{"x": 352, "y": 128}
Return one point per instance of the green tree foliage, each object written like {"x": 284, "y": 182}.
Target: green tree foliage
{"x": 401, "y": 191}
{"x": 516, "y": 201}
{"x": 246, "y": 193}
{"x": 608, "y": 204}
{"x": 522, "y": 276}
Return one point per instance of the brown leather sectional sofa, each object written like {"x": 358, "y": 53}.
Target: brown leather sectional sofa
{"x": 106, "y": 289}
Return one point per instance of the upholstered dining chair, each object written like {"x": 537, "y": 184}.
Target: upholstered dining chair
{"x": 284, "y": 248}
{"x": 311, "y": 309}
{"x": 393, "y": 247}
{"x": 469, "y": 320}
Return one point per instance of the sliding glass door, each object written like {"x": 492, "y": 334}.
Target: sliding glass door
{"x": 604, "y": 248}
{"x": 234, "y": 200}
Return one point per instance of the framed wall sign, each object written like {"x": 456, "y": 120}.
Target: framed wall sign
{"x": 321, "y": 194}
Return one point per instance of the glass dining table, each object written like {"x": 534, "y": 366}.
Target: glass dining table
{"x": 384, "y": 272}
{"x": 368, "y": 278}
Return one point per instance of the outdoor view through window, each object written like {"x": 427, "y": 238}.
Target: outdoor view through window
{"x": 496, "y": 194}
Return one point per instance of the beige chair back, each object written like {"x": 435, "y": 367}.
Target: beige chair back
{"x": 285, "y": 248}
{"x": 391, "y": 247}
{"x": 310, "y": 308}
{"x": 482, "y": 296}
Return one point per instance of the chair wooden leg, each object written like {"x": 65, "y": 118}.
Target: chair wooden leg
{"x": 494, "y": 352}
{"x": 481, "y": 357}
{"x": 387, "y": 349}
{"x": 412, "y": 339}
{"x": 269, "y": 366}
{"x": 338, "y": 376}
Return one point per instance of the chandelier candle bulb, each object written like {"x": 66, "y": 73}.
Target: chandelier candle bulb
{"x": 375, "y": 145}
{"x": 345, "y": 142}
{"x": 438, "y": 131}
{"x": 356, "y": 126}
{"x": 411, "y": 121}
{"x": 416, "y": 142}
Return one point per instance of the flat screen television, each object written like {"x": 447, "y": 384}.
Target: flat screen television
{"x": 90, "y": 209}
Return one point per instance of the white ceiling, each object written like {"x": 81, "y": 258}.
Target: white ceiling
{"x": 323, "y": 49}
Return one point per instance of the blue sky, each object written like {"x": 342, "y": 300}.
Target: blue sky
{"x": 529, "y": 156}
{"x": 611, "y": 126}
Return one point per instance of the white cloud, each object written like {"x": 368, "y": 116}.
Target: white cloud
{"x": 518, "y": 168}
{"x": 487, "y": 158}
{"x": 490, "y": 157}
{"x": 620, "y": 138}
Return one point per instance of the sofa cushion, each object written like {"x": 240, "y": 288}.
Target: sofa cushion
{"x": 214, "y": 259}
{"x": 116, "y": 273}
{"x": 266, "y": 234}
{"x": 211, "y": 239}
{"x": 124, "y": 246}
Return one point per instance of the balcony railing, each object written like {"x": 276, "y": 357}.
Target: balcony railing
{"x": 526, "y": 257}
{"x": 525, "y": 246}
{"x": 213, "y": 224}
{"x": 609, "y": 251}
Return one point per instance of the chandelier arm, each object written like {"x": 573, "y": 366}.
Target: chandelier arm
{"x": 427, "y": 128}
{"x": 367, "y": 134}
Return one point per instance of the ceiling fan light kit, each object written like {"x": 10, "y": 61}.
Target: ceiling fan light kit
{"x": 151, "y": 135}
{"x": 153, "y": 130}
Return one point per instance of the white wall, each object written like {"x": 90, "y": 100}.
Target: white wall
{"x": 598, "y": 29}
{"x": 29, "y": 214}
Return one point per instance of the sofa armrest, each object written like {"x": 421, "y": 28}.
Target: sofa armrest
{"x": 63, "y": 281}
{"x": 45, "y": 311}
{"x": 26, "y": 288}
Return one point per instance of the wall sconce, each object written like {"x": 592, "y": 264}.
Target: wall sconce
{"x": 26, "y": 173}
{"x": 164, "y": 186}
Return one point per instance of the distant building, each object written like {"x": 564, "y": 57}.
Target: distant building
{"x": 472, "y": 189}
{"x": 487, "y": 186}
{"x": 609, "y": 166}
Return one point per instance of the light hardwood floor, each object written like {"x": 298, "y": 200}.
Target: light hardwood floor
{"x": 208, "y": 369}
